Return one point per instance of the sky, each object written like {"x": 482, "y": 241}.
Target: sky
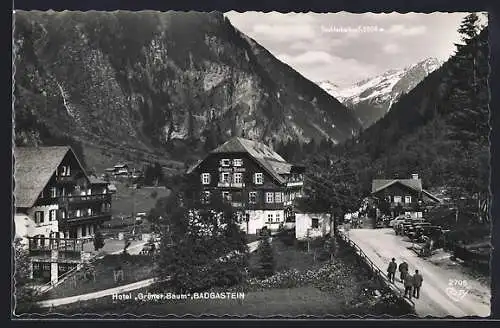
{"x": 345, "y": 48}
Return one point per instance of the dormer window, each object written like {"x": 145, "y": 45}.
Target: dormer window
{"x": 205, "y": 178}
{"x": 258, "y": 178}
{"x": 65, "y": 170}
{"x": 238, "y": 162}
{"x": 225, "y": 162}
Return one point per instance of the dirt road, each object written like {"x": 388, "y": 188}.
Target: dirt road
{"x": 445, "y": 291}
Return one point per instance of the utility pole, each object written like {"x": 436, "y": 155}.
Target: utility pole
{"x": 333, "y": 232}
{"x": 133, "y": 214}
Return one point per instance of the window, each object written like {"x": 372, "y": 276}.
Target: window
{"x": 38, "y": 217}
{"x": 315, "y": 223}
{"x": 225, "y": 162}
{"x": 52, "y": 215}
{"x": 53, "y": 192}
{"x": 238, "y": 177}
{"x": 84, "y": 231}
{"x": 269, "y": 197}
{"x": 259, "y": 178}
{"x": 226, "y": 196}
{"x": 205, "y": 197}
{"x": 252, "y": 197}
{"x": 397, "y": 199}
{"x": 278, "y": 217}
{"x": 205, "y": 178}
{"x": 278, "y": 198}
{"x": 89, "y": 211}
{"x": 63, "y": 213}
{"x": 407, "y": 199}
{"x": 237, "y": 162}
{"x": 224, "y": 177}
{"x": 65, "y": 170}
{"x": 269, "y": 218}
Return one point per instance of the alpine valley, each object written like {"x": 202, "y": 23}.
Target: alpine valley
{"x": 147, "y": 86}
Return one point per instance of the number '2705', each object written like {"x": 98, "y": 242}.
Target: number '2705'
{"x": 457, "y": 282}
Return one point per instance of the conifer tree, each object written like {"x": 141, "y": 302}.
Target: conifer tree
{"x": 267, "y": 262}
{"x": 201, "y": 249}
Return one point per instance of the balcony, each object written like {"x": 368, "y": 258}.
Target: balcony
{"x": 295, "y": 183}
{"x": 97, "y": 198}
{"x": 73, "y": 219}
{"x": 237, "y": 204}
{"x": 66, "y": 178}
{"x": 68, "y": 248}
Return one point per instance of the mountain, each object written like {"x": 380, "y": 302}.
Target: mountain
{"x": 372, "y": 98}
{"x": 438, "y": 130}
{"x": 154, "y": 85}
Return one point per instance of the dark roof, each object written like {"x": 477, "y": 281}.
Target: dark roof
{"x": 415, "y": 184}
{"x": 431, "y": 196}
{"x": 34, "y": 166}
{"x": 271, "y": 161}
{"x": 379, "y": 184}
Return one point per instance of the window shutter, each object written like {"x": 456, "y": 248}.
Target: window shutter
{"x": 209, "y": 178}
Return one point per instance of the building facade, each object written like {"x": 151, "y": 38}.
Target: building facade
{"x": 405, "y": 194}
{"x": 57, "y": 207}
{"x": 311, "y": 225}
{"x": 257, "y": 182}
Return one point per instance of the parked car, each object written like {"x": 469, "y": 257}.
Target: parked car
{"x": 394, "y": 222}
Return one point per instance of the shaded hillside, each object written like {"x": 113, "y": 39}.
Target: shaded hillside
{"x": 439, "y": 130}
{"x": 159, "y": 83}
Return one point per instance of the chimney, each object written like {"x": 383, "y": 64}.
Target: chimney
{"x": 414, "y": 176}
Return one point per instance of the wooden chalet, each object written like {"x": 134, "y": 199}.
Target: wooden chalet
{"x": 258, "y": 183}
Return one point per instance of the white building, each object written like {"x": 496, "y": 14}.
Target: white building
{"x": 312, "y": 225}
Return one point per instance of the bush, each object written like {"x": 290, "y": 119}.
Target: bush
{"x": 98, "y": 240}
{"x": 287, "y": 236}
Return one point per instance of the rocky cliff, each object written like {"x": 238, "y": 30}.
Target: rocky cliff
{"x": 147, "y": 82}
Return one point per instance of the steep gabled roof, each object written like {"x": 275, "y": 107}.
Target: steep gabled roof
{"x": 415, "y": 184}
{"x": 380, "y": 184}
{"x": 34, "y": 166}
{"x": 254, "y": 148}
{"x": 431, "y": 196}
{"x": 267, "y": 158}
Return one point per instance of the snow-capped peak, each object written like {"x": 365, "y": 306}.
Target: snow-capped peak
{"x": 383, "y": 90}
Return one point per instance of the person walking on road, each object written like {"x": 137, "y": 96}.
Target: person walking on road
{"x": 408, "y": 283}
{"x": 417, "y": 283}
{"x": 391, "y": 270}
{"x": 403, "y": 270}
